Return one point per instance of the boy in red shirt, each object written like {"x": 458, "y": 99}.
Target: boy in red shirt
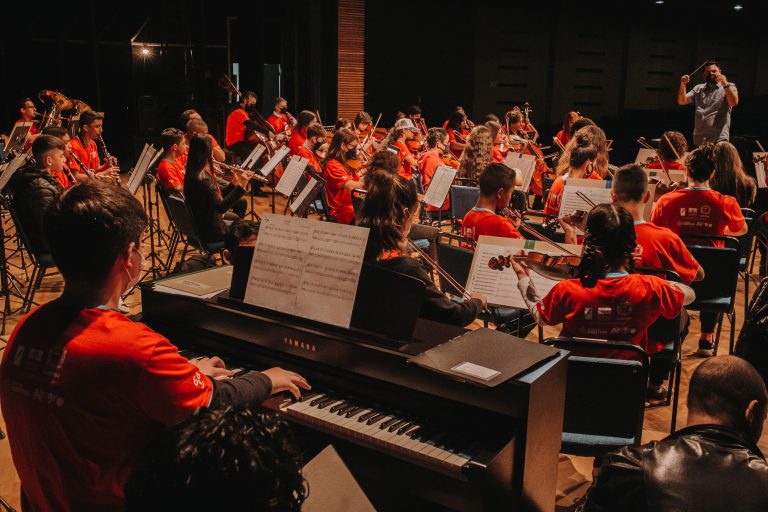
{"x": 497, "y": 184}
{"x": 699, "y": 210}
{"x": 403, "y": 131}
{"x": 83, "y": 388}
{"x": 299, "y": 133}
{"x": 608, "y": 301}
{"x": 199, "y": 127}
{"x": 84, "y": 146}
{"x": 315, "y": 139}
{"x": 170, "y": 170}
{"x": 28, "y": 113}
{"x": 65, "y": 177}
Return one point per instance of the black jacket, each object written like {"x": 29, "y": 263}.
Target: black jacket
{"x": 207, "y": 207}
{"x": 436, "y": 306}
{"x": 33, "y": 191}
{"x": 703, "y": 468}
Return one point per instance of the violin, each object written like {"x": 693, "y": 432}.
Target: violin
{"x": 556, "y": 267}
{"x": 578, "y": 218}
{"x": 449, "y": 160}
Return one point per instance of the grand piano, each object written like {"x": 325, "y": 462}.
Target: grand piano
{"x": 414, "y": 439}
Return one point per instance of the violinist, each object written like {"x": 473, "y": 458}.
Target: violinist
{"x": 582, "y": 159}
{"x": 457, "y": 131}
{"x": 496, "y": 137}
{"x": 315, "y": 139}
{"x": 587, "y": 128}
{"x": 389, "y": 210}
{"x": 363, "y": 123}
{"x": 607, "y": 301}
{"x": 497, "y": 184}
{"x": 280, "y": 119}
{"x": 340, "y": 175}
{"x": 413, "y": 113}
{"x": 438, "y": 145}
{"x": 343, "y": 122}
{"x": 188, "y": 115}
{"x": 565, "y": 134}
{"x": 299, "y": 132}
{"x": 477, "y": 153}
{"x": 672, "y": 147}
{"x": 513, "y": 124}
{"x": 403, "y": 131}
{"x": 699, "y": 210}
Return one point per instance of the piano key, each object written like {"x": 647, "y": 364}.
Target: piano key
{"x": 389, "y": 422}
{"x": 367, "y": 415}
{"x": 337, "y": 406}
{"x": 320, "y": 398}
{"x": 307, "y": 396}
{"x": 375, "y": 418}
{"x": 354, "y": 412}
{"x": 325, "y": 403}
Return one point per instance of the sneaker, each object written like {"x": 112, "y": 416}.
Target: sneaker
{"x": 655, "y": 392}
{"x": 124, "y": 309}
{"x": 705, "y": 349}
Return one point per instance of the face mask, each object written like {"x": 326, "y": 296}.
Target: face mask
{"x": 351, "y": 154}
{"x": 711, "y": 78}
{"x": 250, "y": 108}
{"x": 283, "y": 110}
{"x": 134, "y": 280}
{"x": 317, "y": 145}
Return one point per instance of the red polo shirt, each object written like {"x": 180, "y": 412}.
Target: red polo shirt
{"x": 235, "y": 129}
{"x": 428, "y": 164}
{"x": 338, "y": 198}
{"x": 170, "y": 174}
{"x": 278, "y": 122}
{"x": 88, "y": 154}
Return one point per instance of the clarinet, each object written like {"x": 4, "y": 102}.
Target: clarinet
{"x": 86, "y": 170}
{"x": 109, "y": 158}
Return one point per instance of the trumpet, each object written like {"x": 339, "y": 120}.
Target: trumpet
{"x": 248, "y": 175}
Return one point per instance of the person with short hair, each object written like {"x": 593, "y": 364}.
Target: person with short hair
{"x": 188, "y": 115}
{"x": 28, "y": 113}
{"x": 713, "y": 100}
{"x": 84, "y": 147}
{"x": 83, "y": 388}
{"x": 244, "y": 117}
{"x": 66, "y": 178}
{"x": 711, "y": 465}
{"x": 314, "y": 141}
{"x": 672, "y": 148}
{"x": 200, "y": 127}
{"x": 171, "y": 169}
{"x": 497, "y": 184}
{"x": 241, "y": 233}
{"x": 249, "y": 458}
{"x": 438, "y": 144}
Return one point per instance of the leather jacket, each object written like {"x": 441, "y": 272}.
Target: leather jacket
{"x": 33, "y": 191}
{"x": 702, "y": 468}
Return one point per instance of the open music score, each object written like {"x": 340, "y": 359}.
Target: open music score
{"x": 291, "y": 175}
{"x": 280, "y": 153}
{"x": 440, "y": 186}
{"x": 501, "y": 286}
{"x": 759, "y": 159}
{"x": 526, "y": 164}
{"x": 253, "y": 157}
{"x": 597, "y": 191}
{"x": 8, "y": 169}
{"x": 308, "y": 189}
{"x": 307, "y": 268}
{"x": 149, "y": 155}
{"x": 643, "y": 154}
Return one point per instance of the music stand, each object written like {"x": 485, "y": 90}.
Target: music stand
{"x": 7, "y": 170}
{"x": 309, "y": 192}
{"x": 18, "y": 138}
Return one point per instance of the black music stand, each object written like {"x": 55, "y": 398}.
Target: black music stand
{"x": 317, "y": 188}
{"x": 6, "y": 278}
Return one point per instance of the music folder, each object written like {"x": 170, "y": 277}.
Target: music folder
{"x": 485, "y": 357}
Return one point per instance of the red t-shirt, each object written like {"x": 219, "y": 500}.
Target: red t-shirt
{"x": 214, "y": 143}
{"x": 616, "y": 308}
{"x": 701, "y": 211}
{"x": 88, "y": 154}
{"x": 428, "y": 164}
{"x": 338, "y": 198}
{"x": 170, "y": 174}
{"x": 496, "y": 155}
{"x": 62, "y": 178}
{"x": 670, "y": 166}
{"x": 296, "y": 140}
{"x": 555, "y": 196}
{"x": 659, "y": 247}
{"x": 278, "y": 122}
{"x": 481, "y": 221}
{"x": 452, "y": 139}
{"x": 402, "y": 153}
{"x": 303, "y": 152}
{"x": 83, "y": 392}
{"x": 235, "y": 129}
{"x": 563, "y": 137}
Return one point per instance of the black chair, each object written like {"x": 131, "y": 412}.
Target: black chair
{"x": 716, "y": 293}
{"x": 41, "y": 262}
{"x": 358, "y": 196}
{"x": 463, "y": 199}
{"x": 175, "y": 238}
{"x": 604, "y": 395}
{"x": 748, "y": 250}
{"x": 189, "y": 235}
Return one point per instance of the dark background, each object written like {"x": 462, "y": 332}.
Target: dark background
{"x": 616, "y": 62}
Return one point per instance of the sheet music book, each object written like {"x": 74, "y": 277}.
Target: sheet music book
{"x": 281, "y": 153}
{"x": 291, "y": 175}
{"x": 203, "y": 284}
{"x": 526, "y": 164}
{"x": 307, "y": 268}
{"x": 8, "y": 169}
{"x": 500, "y": 286}
{"x": 643, "y": 154}
{"x": 598, "y": 191}
{"x": 440, "y": 186}
{"x": 760, "y": 169}
{"x": 19, "y": 135}
{"x": 253, "y": 157}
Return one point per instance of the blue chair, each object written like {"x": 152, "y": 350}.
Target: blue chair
{"x": 604, "y": 395}
{"x": 463, "y": 199}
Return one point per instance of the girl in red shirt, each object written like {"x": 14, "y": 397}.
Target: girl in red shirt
{"x": 438, "y": 143}
{"x": 564, "y": 135}
{"x": 457, "y": 132}
{"x": 496, "y": 137}
{"x": 607, "y": 301}
{"x": 582, "y": 158}
{"x": 341, "y": 178}
{"x": 299, "y": 133}
{"x": 404, "y": 130}
{"x": 477, "y": 154}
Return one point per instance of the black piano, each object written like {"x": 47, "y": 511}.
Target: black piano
{"x": 414, "y": 439}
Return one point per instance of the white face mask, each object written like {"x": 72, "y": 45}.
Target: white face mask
{"x": 133, "y": 280}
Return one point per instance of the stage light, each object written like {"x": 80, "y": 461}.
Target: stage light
{"x": 146, "y": 51}
{"x": 659, "y": 2}
{"x": 738, "y": 7}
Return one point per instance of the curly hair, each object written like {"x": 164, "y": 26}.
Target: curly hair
{"x": 609, "y": 241}
{"x": 679, "y": 144}
{"x": 477, "y": 154}
{"x": 249, "y": 458}
{"x": 700, "y": 163}
{"x": 596, "y": 137}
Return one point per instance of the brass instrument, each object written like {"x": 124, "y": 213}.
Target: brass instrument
{"x": 59, "y": 103}
{"x": 80, "y": 106}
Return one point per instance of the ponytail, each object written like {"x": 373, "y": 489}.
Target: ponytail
{"x": 701, "y": 162}
{"x": 609, "y": 242}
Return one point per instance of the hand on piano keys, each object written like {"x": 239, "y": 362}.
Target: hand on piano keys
{"x": 284, "y": 380}
{"x": 213, "y": 367}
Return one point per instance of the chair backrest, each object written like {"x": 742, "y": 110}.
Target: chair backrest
{"x": 462, "y": 200}
{"x": 455, "y": 260}
{"x": 182, "y": 218}
{"x": 164, "y": 199}
{"x": 358, "y": 196}
{"x": 721, "y": 271}
{"x": 747, "y": 239}
{"x": 23, "y": 236}
{"x": 604, "y": 394}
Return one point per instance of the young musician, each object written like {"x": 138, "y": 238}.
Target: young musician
{"x": 280, "y": 119}
{"x": 607, "y": 301}
{"x": 457, "y": 131}
{"x": 188, "y": 115}
{"x": 438, "y": 144}
{"x": 315, "y": 139}
{"x": 343, "y": 122}
{"x": 564, "y": 135}
{"x": 390, "y": 208}
{"x": 730, "y": 177}
{"x": 362, "y": 125}
{"x": 84, "y": 146}
{"x": 299, "y": 132}
{"x": 497, "y": 183}
{"x": 35, "y": 188}
{"x": 199, "y": 127}
{"x": 384, "y": 160}
{"x": 28, "y": 113}
{"x": 66, "y": 178}
{"x": 83, "y": 388}
{"x": 496, "y": 137}
{"x": 239, "y": 122}
{"x": 170, "y": 170}
{"x": 201, "y": 191}
{"x": 404, "y": 130}
{"x": 582, "y": 156}
{"x": 341, "y": 178}
{"x": 670, "y": 153}
{"x": 477, "y": 153}
{"x": 699, "y": 210}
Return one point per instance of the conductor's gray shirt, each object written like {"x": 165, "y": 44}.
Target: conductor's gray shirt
{"x": 712, "y": 120}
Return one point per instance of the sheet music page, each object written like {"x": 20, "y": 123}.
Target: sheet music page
{"x": 526, "y": 164}
{"x": 760, "y": 169}
{"x": 440, "y": 186}
{"x": 254, "y": 156}
{"x": 291, "y": 176}
{"x": 10, "y": 168}
{"x": 500, "y": 286}
{"x": 597, "y": 191}
{"x": 281, "y": 153}
{"x": 307, "y": 268}
{"x": 146, "y": 159}
{"x": 643, "y": 154}
{"x": 303, "y": 194}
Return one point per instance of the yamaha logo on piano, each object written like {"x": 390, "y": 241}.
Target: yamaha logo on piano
{"x": 309, "y": 347}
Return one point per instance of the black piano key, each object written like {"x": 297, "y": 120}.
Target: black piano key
{"x": 317, "y": 400}
{"x": 325, "y": 403}
{"x": 347, "y": 407}
{"x": 307, "y": 396}
{"x": 367, "y": 415}
{"x": 376, "y": 418}
{"x": 397, "y": 425}
{"x": 354, "y": 411}
{"x": 406, "y": 428}
{"x": 389, "y": 422}
{"x": 337, "y": 406}
{"x": 414, "y": 432}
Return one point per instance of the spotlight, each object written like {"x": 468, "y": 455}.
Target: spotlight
{"x": 659, "y": 2}
{"x": 738, "y": 7}
{"x": 145, "y": 51}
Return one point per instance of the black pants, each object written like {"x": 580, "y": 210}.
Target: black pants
{"x": 708, "y": 322}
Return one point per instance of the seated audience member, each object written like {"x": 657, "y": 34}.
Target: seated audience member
{"x": 711, "y": 465}
{"x": 497, "y": 183}
{"x": 730, "y": 177}
{"x": 390, "y": 208}
{"x": 220, "y": 459}
{"x": 170, "y": 170}
{"x": 35, "y": 188}
{"x": 699, "y": 210}
{"x": 607, "y": 301}
{"x": 83, "y": 388}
